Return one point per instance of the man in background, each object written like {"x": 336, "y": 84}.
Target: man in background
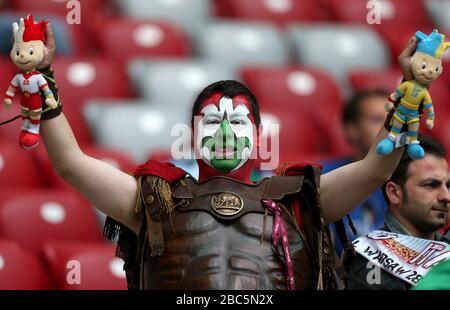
{"x": 418, "y": 204}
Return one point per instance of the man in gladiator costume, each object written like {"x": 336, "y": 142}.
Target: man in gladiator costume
{"x": 221, "y": 231}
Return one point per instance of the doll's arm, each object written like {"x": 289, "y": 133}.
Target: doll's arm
{"x": 399, "y": 93}
{"x": 428, "y": 105}
{"x": 10, "y": 93}
{"x": 49, "y": 98}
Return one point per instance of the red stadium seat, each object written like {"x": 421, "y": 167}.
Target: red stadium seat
{"x": 387, "y": 80}
{"x": 115, "y": 158}
{"x": 80, "y": 79}
{"x": 38, "y": 217}
{"x": 20, "y": 270}
{"x": 125, "y": 39}
{"x": 10, "y": 131}
{"x": 62, "y": 8}
{"x": 280, "y": 12}
{"x": 393, "y": 12}
{"x": 80, "y": 266}
{"x": 18, "y": 168}
{"x": 8, "y": 72}
{"x": 446, "y": 72}
{"x": 312, "y": 95}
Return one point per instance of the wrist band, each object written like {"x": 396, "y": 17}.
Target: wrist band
{"x": 47, "y": 72}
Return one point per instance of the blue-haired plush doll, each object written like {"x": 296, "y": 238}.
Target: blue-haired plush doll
{"x": 426, "y": 66}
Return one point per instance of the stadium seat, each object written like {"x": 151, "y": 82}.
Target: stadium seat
{"x": 446, "y": 65}
{"x": 191, "y": 15}
{"x": 338, "y": 49}
{"x": 89, "y": 8}
{"x": 136, "y": 128}
{"x": 19, "y": 270}
{"x": 80, "y": 79}
{"x": 141, "y": 39}
{"x": 438, "y": 10}
{"x": 68, "y": 39}
{"x": 9, "y": 132}
{"x": 280, "y": 12}
{"x": 8, "y": 72}
{"x": 176, "y": 82}
{"x": 85, "y": 266}
{"x": 392, "y": 12}
{"x": 237, "y": 43}
{"x": 301, "y": 139}
{"x": 17, "y": 168}
{"x": 38, "y": 217}
{"x": 387, "y": 80}
{"x": 294, "y": 87}
{"x": 308, "y": 92}
{"x": 115, "y": 158}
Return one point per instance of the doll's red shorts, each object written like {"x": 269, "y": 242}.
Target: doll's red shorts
{"x": 31, "y": 101}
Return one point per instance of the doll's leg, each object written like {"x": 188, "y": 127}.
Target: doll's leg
{"x": 35, "y": 120}
{"x": 30, "y": 138}
{"x": 395, "y": 130}
{"x": 414, "y": 148}
{"x": 25, "y": 115}
{"x": 386, "y": 146}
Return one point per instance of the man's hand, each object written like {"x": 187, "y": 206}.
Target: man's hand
{"x": 8, "y": 103}
{"x": 388, "y": 106}
{"x": 404, "y": 59}
{"x": 50, "y": 48}
{"x": 430, "y": 123}
{"x": 51, "y": 102}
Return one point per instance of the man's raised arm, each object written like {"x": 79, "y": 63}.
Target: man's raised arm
{"x": 108, "y": 189}
{"x": 345, "y": 188}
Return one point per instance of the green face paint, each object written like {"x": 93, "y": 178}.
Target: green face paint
{"x": 225, "y": 148}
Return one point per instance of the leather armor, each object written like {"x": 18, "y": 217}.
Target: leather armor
{"x": 217, "y": 235}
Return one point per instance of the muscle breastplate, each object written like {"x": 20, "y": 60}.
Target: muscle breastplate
{"x": 218, "y": 235}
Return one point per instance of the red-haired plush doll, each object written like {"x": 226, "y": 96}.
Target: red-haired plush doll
{"x": 27, "y": 53}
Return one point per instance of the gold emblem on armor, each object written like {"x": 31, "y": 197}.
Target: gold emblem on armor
{"x": 227, "y": 204}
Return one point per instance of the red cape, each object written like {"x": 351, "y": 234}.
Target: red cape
{"x": 166, "y": 171}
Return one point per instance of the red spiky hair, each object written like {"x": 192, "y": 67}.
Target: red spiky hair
{"x": 34, "y": 31}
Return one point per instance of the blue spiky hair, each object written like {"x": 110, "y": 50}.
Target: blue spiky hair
{"x": 432, "y": 44}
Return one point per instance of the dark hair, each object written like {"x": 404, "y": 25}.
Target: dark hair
{"x": 401, "y": 174}
{"x": 352, "y": 111}
{"x": 229, "y": 88}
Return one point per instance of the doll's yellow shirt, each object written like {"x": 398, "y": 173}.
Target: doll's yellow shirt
{"x": 413, "y": 94}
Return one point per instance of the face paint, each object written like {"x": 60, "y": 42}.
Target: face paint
{"x": 225, "y": 133}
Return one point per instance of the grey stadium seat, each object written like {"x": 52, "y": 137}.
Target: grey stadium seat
{"x": 178, "y": 82}
{"x": 339, "y": 49}
{"x": 238, "y": 43}
{"x": 134, "y": 127}
{"x": 189, "y": 14}
{"x": 439, "y": 10}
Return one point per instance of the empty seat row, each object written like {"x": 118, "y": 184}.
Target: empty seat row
{"x": 63, "y": 266}
{"x": 20, "y": 169}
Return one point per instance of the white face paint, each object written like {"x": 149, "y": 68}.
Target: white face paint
{"x": 238, "y": 128}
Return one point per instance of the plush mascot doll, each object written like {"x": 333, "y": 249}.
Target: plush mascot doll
{"x": 27, "y": 53}
{"x": 426, "y": 66}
